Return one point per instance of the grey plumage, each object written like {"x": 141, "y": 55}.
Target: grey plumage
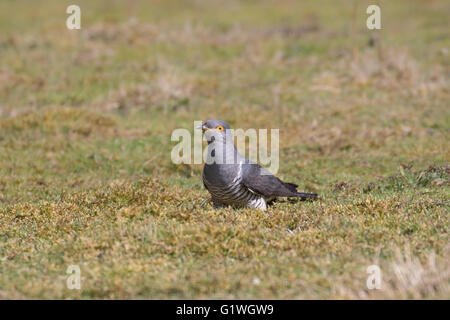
{"x": 232, "y": 179}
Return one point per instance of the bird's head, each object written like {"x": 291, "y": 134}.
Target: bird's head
{"x": 215, "y": 130}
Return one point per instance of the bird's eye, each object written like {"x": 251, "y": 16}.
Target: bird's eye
{"x": 219, "y": 128}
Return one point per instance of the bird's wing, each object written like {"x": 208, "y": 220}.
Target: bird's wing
{"x": 261, "y": 181}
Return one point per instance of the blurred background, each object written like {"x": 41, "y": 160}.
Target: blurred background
{"x": 312, "y": 69}
{"x": 84, "y": 109}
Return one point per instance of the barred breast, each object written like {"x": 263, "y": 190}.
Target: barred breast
{"x": 235, "y": 194}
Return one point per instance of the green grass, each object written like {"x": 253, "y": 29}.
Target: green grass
{"x": 86, "y": 177}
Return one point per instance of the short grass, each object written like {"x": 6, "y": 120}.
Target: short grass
{"x": 85, "y": 171}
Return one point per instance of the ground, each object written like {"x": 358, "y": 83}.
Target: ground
{"x": 86, "y": 177}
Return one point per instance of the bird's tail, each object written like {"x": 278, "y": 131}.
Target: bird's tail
{"x": 293, "y": 188}
{"x": 307, "y": 195}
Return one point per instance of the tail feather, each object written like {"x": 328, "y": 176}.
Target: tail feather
{"x": 307, "y": 195}
{"x": 293, "y": 188}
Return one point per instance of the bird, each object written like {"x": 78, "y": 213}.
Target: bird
{"x": 233, "y": 180}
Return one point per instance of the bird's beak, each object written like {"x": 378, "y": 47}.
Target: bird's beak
{"x": 203, "y": 127}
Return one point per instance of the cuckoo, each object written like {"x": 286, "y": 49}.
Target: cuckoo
{"x": 233, "y": 180}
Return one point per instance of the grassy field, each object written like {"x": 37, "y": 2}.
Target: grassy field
{"x": 85, "y": 171}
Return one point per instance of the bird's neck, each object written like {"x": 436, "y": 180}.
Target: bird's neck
{"x": 222, "y": 152}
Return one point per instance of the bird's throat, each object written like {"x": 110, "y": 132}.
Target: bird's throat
{"x": 221, "y": 153}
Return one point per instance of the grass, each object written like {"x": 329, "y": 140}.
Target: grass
{"x": 85, "y": 171}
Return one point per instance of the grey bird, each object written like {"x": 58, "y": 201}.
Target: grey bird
{"x": 233, "y": 180}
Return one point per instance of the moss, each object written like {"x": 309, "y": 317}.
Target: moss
{"x": 85, "y": 170}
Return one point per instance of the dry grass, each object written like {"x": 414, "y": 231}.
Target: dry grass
{"x": 85, "y": 170}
